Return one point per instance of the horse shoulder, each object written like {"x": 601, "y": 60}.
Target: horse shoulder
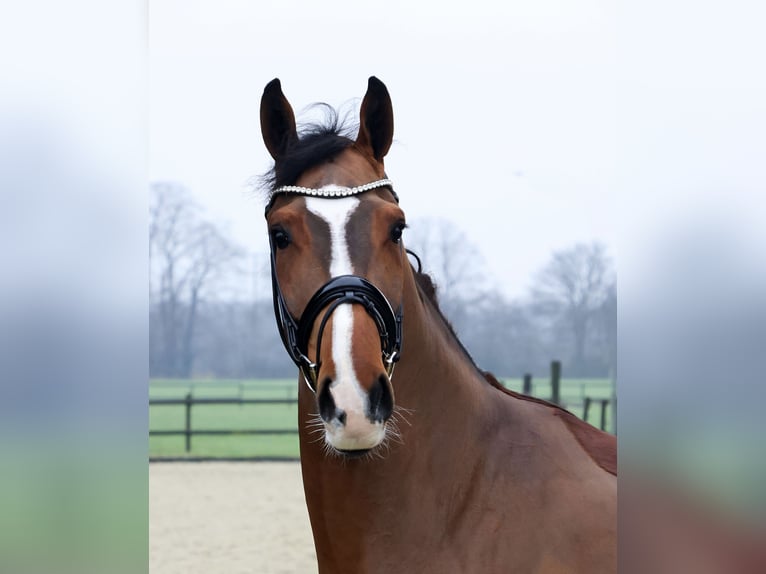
{"x": 563, "y": 483}
{"x": 600, "y": 446}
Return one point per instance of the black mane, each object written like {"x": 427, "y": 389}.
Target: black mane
{"x": 428, "y": 289}
{"x": 317, "y": 142}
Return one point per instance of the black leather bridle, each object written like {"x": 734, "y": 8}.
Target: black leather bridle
{"x": 295, "y": 333}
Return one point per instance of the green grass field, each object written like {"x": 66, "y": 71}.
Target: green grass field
{"x": 279, "y": 416}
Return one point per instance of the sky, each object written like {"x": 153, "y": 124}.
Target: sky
{"x": 505, "y": 114}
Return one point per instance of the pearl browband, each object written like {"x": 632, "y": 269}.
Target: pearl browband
{"x": 332, "y": 191}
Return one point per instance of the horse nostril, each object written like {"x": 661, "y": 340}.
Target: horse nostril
{"x": 326, "y": 403}
{"x": 381, "y": 400}
{"x": 327, "y": 408}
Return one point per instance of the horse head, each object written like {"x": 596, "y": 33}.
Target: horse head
{"x": 338, "y": 263}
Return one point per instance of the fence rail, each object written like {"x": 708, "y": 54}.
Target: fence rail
{"x": 220, "y": 401}
{"x": 189, "y": 401}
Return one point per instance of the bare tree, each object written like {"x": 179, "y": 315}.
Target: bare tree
{"x": 189, "y": 258}
{"x": 606, "y": 321}
{"x": 571, "y": 290}
{"x": 212, "y": 256}
{"x": 171, "y": 217}
{"x": 454, "y": 263}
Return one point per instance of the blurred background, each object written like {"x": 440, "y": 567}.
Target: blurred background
{"x": 545, "y": 148}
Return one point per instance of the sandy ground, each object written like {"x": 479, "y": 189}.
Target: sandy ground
{"x": 228, "y": 518}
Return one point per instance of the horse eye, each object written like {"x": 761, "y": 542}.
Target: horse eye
{"x": 396, "y": 231}
{"x": 281, "y": 238}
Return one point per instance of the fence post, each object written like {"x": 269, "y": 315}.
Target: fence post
{"x": 555, "y": 382}
{"x": 527, "y": 384}
{"x": 188, "y": 407}
{"x": 604, "y": 404}
{"x": 586, "y": 409}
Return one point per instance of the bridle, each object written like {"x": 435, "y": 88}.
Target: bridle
{"x": 352, "y": 289}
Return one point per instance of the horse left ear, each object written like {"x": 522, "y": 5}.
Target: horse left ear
{"x": 376, "y": 125}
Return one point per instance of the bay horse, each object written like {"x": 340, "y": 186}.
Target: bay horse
{"x": 474, "y": 477}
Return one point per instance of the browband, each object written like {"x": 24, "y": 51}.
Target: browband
{"x": 332, "y": 191}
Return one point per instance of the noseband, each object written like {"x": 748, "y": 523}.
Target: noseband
{"x": 350, "y": 289}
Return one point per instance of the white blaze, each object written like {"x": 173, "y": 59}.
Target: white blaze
{"x": 336, "y": 212}
{"x": 347, "y": 393}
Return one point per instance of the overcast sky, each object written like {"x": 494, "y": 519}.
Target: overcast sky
{"x": 504, "y": 115}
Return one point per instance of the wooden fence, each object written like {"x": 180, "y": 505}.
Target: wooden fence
{"x": 189, "y": 401}
{"x": 585, "y": 405}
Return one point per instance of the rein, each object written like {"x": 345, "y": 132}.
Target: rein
{"x": 351, "y": 289}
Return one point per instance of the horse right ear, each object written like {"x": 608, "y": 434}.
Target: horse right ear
{"x": 376, "y": 125}
{"x": 277, "y": 120}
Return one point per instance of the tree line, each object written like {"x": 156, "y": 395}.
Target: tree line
{"x": 202, "y": 325}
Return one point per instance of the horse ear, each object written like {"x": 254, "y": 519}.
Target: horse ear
{"x": 277, "y": 120}
{"x": 376, "y": 125}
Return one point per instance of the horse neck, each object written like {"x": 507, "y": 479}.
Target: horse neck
{"x": 435, "y": 380}
{"x": 442, "y": 397}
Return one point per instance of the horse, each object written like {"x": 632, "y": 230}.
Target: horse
{"x": 413, "y": 458}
